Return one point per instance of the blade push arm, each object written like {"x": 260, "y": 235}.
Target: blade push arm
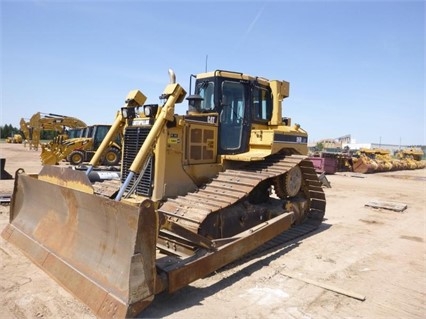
{"x": 175, "y": 94}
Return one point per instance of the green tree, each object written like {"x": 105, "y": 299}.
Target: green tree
{"x": 8, "y": 130}
{"x": 319, "y": 147}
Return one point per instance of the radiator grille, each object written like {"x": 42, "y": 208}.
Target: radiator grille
{"x": 134, "y": 137}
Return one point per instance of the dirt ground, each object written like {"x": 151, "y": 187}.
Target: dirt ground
{"x": 358, "y": 251}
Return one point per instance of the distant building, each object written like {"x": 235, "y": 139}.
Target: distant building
{"x": 345, "y": 139}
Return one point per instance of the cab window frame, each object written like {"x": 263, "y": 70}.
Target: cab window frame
{"x": 261, "y": 104}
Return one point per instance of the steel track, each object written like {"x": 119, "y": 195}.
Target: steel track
{"x": 232, "y": 186}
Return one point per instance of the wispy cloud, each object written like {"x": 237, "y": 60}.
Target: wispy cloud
{"x": 250, "y": 27}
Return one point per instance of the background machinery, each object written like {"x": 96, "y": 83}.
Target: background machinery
{"x": 380, "y": 160}
{"x": 197, "y": 191}
{"x": 82, "y": 147}
{"x": 49, "y": 122}
{"x": 15, "y": 139}
{"x": 412, "y": 158}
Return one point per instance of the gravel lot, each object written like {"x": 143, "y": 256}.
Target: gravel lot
{"x": 358, "y": 251}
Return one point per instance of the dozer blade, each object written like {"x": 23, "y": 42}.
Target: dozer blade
{"x": 363, "y": 167}
{"x": 101, "y": 250}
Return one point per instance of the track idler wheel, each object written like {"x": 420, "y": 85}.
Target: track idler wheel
{"x": 288, "y": 184}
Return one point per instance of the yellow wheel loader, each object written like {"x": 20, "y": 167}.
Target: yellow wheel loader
{"x": 81, "y": 150}
{"x": 15, "y": 139}
{"x": 77, "y": 150}
{"x": 197, "y": 191}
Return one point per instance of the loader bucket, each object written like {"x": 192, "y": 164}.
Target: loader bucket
{"x": 48, "y": 157}
{"x": 101, "y": 250}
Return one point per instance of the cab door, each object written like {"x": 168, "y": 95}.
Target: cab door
{"x": 234, "y": 126}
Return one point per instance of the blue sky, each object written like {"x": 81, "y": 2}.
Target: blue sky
{"x": 354, "y": 67}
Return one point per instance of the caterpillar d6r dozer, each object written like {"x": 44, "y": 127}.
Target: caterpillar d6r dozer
{"x": 197, "y": 191}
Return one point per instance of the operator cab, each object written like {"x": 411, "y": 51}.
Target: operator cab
{"x": 238, "y": 99}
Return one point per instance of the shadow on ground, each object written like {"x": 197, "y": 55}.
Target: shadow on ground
{"x": 166, "y": 304}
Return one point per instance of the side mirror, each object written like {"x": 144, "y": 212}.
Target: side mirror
{"x": 194, "y": 102}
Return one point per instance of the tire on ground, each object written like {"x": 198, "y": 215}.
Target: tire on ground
{"x": 76, "y": 157}
{"x": 112, "y": 157}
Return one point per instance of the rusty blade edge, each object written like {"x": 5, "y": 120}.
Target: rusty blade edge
{"x": 102, "y": 303}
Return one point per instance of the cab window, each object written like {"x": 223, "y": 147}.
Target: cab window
{"x": 232, "y": 102}
{"x": 262, "y": 104}
{"x": 206, "y": 91}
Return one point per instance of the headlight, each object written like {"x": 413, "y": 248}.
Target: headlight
{"x": 128, "y": 112}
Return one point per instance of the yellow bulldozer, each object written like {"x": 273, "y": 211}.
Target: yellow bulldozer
{"x": 412, "y": 158}
{"x": 380, "y": 160}
{"x": 196, "y": 192}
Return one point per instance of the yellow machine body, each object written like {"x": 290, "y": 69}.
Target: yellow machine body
{"x": 196, "y": 192}
{"x": 47, "y": 122}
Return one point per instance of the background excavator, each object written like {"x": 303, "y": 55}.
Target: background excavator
{"x": 196, "y": 192}
{"x": 48, "y": 122}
